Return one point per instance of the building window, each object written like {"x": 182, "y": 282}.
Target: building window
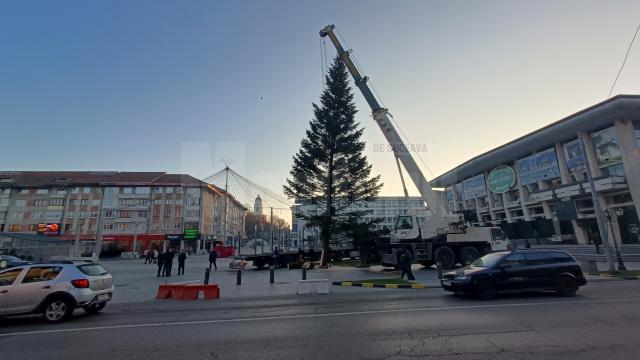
{"x": 15, "y": 228}
{"x": 178, "y": 212}
{"x": 167, "y": 212}
{"x": 614, "y": 170}
{"x": 157, "y": 202}
{"x": 21, "y": 202}
{"x": 110, "y": 202}
{"x": 84, "y": 202}
{"x": 42, "y": 191}
{"x": 37, "y": 214}
{"x": 176, "y": 226}
{"x": 124, "y": 214}
{"x": 143, "y": 190}
{"x": 95, "y": 202}
{"x": 5, "y": 191}
{"x": 40, "y": 202}
{"x": 81, "y": 214}
{"x": 111, "y": 190}
{"x": 18, "y": 215}
{"x": 4, "y": 202}
{"x": 109, "y": 213}
{"x": 75, "y": 190}
{"x": 108, "y": 226}
{"x": 53, "y": 214}
{"x": 123, "y": 227}
{"x": 24, "y": 191}
{"x": 86, "y": 190}
{"x": 143, "y": 214}
{"x": 73, "y": 202}
{"x": 56, "y": 202}
{"x": 61, "y": 191}
{"x": 168, "y": 190}
{"x": 71, "y": 214}
{"x": 157, "y": 190}
{"x": 193, "y": 213}
{"x": 127, "y": 190}
{"x": 168, "y": 202}
{"x": 193, "y": 201}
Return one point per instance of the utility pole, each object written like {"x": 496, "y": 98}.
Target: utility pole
{"x": 271, "y": 221}
{"x": 76, "y": 245}
{"x": 226, "y": 203}
{"x": 596, "y": 208}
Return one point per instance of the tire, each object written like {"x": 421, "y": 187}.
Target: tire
{"x": 468, "y": 254}
{"x": 427, "y": 264}
{"x": 567, "y": 286}
{"x": 259, "y": 264}
{"x": 485, "y": 290}
{"x": 57, "y": 310}
{"x": 94, "y": 309}
{"x": 445, "y": 256}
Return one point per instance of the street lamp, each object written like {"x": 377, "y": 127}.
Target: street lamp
{"x": 610, "y": 219}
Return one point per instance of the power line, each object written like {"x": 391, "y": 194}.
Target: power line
{"x": 624, "y": 61}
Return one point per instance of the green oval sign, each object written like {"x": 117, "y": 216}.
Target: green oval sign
{"x": 501, "y": 179}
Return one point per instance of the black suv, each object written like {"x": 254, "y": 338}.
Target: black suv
{"x": 517, "y": 271}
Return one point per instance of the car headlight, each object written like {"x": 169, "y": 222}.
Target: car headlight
{"x": 3, "y": 264}
{"x": 462, "y": 277}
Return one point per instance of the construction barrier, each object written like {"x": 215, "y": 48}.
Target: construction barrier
{"x": 187, "y": 291}
{"x": 374, "y": 285}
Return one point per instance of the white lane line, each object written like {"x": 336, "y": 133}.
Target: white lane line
{"x": 285, "y": 317}
{"x": 186, "y": 282}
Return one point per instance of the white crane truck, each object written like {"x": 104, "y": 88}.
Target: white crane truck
{"x": 444, "y": 238}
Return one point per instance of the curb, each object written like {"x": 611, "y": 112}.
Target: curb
{"x": 373, "y": 285}
{"x": 619, "y": 277}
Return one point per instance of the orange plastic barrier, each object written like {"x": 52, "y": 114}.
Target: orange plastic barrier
{"x": 187, "y": 292}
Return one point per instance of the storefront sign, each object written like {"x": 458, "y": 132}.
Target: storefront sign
{"x": 501, "y": 179}
{"x": 190, "y": 234}
{"x": 48, "y": 229}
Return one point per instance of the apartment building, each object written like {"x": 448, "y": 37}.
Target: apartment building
{"x": 117, "y": 207}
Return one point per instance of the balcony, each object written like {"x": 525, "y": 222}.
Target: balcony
{"x": 612, "y": 183}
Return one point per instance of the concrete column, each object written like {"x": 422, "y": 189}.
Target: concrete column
{"x": 524, "y": 195}
{"x": 630, "y": 158}
{"x": 456, "y": 198}
{"x": 507, "y": 212}
{"x": 490, "y": 201}
{"x": 581, "y": 233}
{"x": 565, "y": 177}
{"x": 590, "y": 154}
{"x": 477, "y": 201}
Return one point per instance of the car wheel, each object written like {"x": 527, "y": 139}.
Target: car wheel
{"x": 469, "y": 254}
{"x": 94, "y": 309}
{"x": 57, "y": 310}
{"x": 445, "y": 257}
{"x": 485, "y": 289}
{"x": 567, "y": 286}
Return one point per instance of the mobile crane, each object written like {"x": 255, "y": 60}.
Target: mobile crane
{"x": 444, "y": 238}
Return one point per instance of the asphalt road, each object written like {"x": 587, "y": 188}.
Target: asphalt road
{"x": 603, "y": 321}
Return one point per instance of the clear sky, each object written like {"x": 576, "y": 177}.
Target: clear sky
{"x": 178, "y": 85}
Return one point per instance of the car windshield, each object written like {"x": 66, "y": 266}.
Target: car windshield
{"x": 93, "y": 269}
{"x": 489, "y": 260}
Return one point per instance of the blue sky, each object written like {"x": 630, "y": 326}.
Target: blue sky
{"x": 178, "y": 85}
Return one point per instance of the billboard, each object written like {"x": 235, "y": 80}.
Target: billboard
{"x": 538, "y": 167}
{"x": 474, "y": 187}
{"x": 575, "y": 157}
{"x": 501, "y": 179}
{"x": 49, "y": 229}
{"x": 607, "y": 148}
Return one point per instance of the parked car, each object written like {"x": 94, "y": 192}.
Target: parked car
{"x": 54, "y": 289}
{"x": 517, "y": 271}
{"x": 8, "y": 261}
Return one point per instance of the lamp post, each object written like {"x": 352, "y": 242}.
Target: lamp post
{"x": 610, "y": 219}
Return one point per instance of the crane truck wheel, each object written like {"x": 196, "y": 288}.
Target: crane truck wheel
{"x": 445, "y": 256}
{"x": 468, "y": 254}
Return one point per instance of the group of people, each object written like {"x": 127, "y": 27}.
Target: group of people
{"x": 164, "y": 260}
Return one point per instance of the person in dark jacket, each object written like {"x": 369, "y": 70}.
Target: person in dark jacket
{"x": 404, "y": 262}
{"x": 168, "y": 262}
{"x": 182, "y": 257}
{"x": 213, "y": 255}
{"x": 160, "y": 262}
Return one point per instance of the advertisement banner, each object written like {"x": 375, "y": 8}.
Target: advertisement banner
{"x": 575, "y": 157}
{"x": 539, "y": 167}
{"x": 607, "y": 148}
{"x": 49, "y": 229}
{"x": 474, "y": 187}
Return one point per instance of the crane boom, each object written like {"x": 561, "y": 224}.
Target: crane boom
{"x": 399, "y": 148}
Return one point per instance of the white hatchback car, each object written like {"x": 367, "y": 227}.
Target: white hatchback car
{"x": 54, "y": 289}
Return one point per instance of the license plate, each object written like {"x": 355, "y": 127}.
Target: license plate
{"x": 446, "y": 282}
{"x": 104, "y": 297}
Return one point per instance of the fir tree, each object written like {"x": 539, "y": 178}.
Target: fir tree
{"x": 330, "y": 169}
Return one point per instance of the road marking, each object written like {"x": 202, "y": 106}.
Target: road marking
{"x": 303, "y": 316}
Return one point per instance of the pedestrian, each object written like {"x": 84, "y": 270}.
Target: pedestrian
{"x": 595, "y": 239}
{"x": 147, "y": 256}
{"x": 155, "y": 255}
{"x": 160, "y": 262}
{"x": 168, "y": 262}
{"x": 213, "y": 256}
{"x": 182, "y": 257}
{"x": 275, "y": 257}
{"x": 404, "y": 262}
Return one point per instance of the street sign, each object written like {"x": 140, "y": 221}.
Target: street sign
{"x": 190, "y": 234}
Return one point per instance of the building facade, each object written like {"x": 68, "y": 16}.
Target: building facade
{"x": 386, "y": 208}
{"x": 116, "y": 207}
{"x": 536, "y": 186}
